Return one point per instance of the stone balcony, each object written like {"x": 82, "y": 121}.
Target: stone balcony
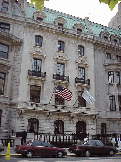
{"x": 112, "y": 62}
{"x": 60, "y": 79}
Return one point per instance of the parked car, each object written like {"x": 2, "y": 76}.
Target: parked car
{"x": 92, "y": 147}
{"x": 1, "y": 146}
{"x": 39, "y": 148}
{"x": 118, "y": 148}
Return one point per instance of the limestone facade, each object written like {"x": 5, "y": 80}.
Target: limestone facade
{"x": 43, "y": 54}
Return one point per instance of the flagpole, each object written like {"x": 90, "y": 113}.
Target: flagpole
{"x": 52, "y": 95}
{"x": 75, "y": 102}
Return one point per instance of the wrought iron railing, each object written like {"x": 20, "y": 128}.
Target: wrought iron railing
{"x": 61, "y": 77}
{"x": 37, "y": 73}
{"x": 80, "y": 80}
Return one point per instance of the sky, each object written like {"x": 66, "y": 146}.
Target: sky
{"x": 96, "y": 11}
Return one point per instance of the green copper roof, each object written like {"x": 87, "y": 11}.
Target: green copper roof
{"x": 71, "y": 20}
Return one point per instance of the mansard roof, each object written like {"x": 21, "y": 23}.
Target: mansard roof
{"x": 89, "y": 27}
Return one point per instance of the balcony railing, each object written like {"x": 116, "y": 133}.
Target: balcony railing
{"x": 37, "y": 73}
{"x": 61, "y": 77}
{"x": 80, "y": 80}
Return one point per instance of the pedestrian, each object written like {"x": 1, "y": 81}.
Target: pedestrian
{"x": 113, "y": 141}
{"x": 24, "y": 135}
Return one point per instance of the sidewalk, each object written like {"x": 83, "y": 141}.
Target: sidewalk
{"x": 13, "y": 153}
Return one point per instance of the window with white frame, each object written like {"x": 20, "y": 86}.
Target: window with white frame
{"x": 110, "y": 77}
{"x": 112, "y": 103}
{"x": 60, "y": 69}
{"x": 37, "y": 65}
{"x": 81, "y": 73}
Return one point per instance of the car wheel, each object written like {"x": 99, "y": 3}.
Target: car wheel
{"x": 111, "y": 153}
{"x": 87, "y": 153}
{"x": 60, "y": 154}
{"x": 29, "y": 154}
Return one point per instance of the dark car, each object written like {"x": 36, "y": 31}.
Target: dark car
{"x": 92, "y": 147}
{"x": 1, "y": 146}
{"x": 39, "y": 148}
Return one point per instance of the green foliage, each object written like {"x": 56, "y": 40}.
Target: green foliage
{"x": 38, "y": 3}
{"x": 111, "y": 3}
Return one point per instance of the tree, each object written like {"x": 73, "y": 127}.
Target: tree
{"x": 40, "y": 3}
{"x": 111, "y": 3}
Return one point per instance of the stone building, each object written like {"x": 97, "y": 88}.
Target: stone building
{"x": 41, "y": 50}
{"x": 116, "y": 20}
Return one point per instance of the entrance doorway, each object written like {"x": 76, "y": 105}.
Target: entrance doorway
{"x": 81, "y": 130}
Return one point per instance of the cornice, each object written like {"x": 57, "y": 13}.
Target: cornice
{"x": 9, "y": 37}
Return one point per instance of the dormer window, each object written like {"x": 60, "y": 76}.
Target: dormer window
{"x": 60, "y": 26}
{"x": 115, "y": 40}
{"x": 39, "y": 19}
{"x": 79, "y": 31}
{"x": 4, "y": 6}
{"x": 108, "y": 55}
{"x": 105, "y": 37}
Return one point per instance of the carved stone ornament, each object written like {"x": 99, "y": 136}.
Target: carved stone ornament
{"x": 82, "y": 62}
{"x": 38, "y": 53}
{"x": 61, "y": 56}
{"x": 105, "y": 35}
{"x": 78, "y": 25}
{"x": 114, "y": 38}
{"x": 60, "y": 20}
{"x": 9, "y": 37}
{"x": 39, "y": 14}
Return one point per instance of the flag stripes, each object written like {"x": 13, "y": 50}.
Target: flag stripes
{"x": 63, "y": 92}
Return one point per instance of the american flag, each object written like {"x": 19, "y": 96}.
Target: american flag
{"x": 63, "y": 92}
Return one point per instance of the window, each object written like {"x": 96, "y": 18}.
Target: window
{"x": 37, "y": 65}
{"x": 81, "y": 73}
{"x": 33, "y": 125}
{"x": 2, "y": 83}
{"x": 4, "y": 27}
{"x": 4, "y": 51}
{"x": 81, "y": 101}
{"x": 103, "y": 128}
{"x": 108, "y": 55}
{"x": 79, "y": 31}
{"x": 39, "y": 19}
{"x": 0, "y": 117}
{"x": 112, "y": 103}
{"x": 105, "y": 37}
{"x": 59, "y": 100}
{"x": 35, "y": 93}
{"x": 61, "y": 46}
{"x": 60, "y": 69}
{"x": 38, "y": 40}
{"x": 118, "y": 57}
{"x": 118, "y": 77}
{"x": 60, "y": 26}
{"x": 59, "y": 127}
{"x": 110, "y": 77}
{"x": 5, "y": 6}
{"x": 80, "y": 50}
{"x": 119, "y": 102}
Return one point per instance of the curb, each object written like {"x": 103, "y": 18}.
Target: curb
{"x": 20, "y": 155}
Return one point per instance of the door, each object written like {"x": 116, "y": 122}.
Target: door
{"x": 81, "y": 130}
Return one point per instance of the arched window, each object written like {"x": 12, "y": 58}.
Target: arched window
{"x": 58, "y": 127}
{"x": 33, "y": 125}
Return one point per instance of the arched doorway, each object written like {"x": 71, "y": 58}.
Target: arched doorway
{"x": 58, "y": 127}
{"x": 33, "y": 125}
{"x": 81, "y": 130}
